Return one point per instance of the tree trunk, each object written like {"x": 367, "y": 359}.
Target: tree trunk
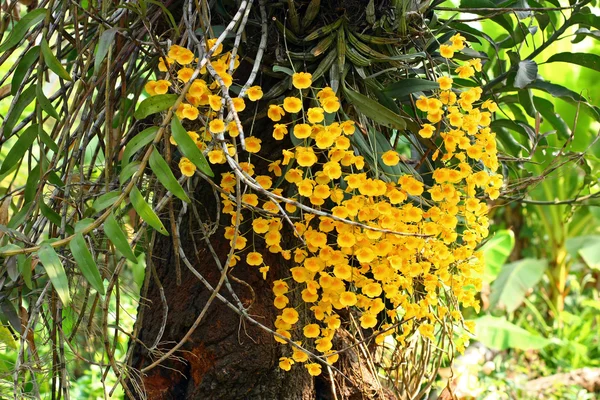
{"x": 225, "y": 357}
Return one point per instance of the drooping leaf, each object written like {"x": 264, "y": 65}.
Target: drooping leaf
{"x": 145, "y": 211}
{"x": 106, "y": 40}
{"x": 26, "y": 62}
{"x": 18, "y": 33}
{"x": 56, "y": 272}
{"x": 565, "y": 94}
{"x": 52, "y": 62}
{"x": 500, "y": 334}
{"x": 44, "y": 102}
{"x": 496, "y": 252}
{"x": 140, "y": 140}
{"x": 85, "y": 262}
{"x": 515, "y": 280}
{"x": 18, "y": 150}
{"x": 588, "y": 60}
{"x": 188, "y": 147}
{"x": 115, "y": 234}
{"x": 48, "y": 141}
{"x": 408, "y": 86}
{"x": 526, "y": 73}
{"x": 25, "y": 98}
{"x": 128, "y": 171}
{"x": 374, "y": 110}
{"x": 165, "y": 175}
{"x": 546, "y": 109}
{"x": 155, "y": 104}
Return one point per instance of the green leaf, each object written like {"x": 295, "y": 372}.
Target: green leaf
{"x": 145, "y": 211}
{"x": 526, "y": 73}
{"x": 52, "y": 62}
{"x": 500, "y": 334}
{"x": 44, "y": 102}
{"x": 405, "y": 87}
{"x": 26, "y": 62}
{"x": 7, "y": 338}
{"x": 496, "y": 252}
{"x": 155, "y": 104}
{"x": 188, "y": 147}
{"x": 285, "y": 70}
{"x": 165, "y": 175}
{"x": 515, "y": 280}
{"x": 591, "y": 256}
{"x": 374, "y": 110}
{"x": 106, "y": 40}
{"x": 19, "y": 149}
{"x": 588, "y": 60}
{"x": 565, "y": 94}
{"x": 106, "y": 200}
{"x": 86, "y": 262}
{"x": 56, "y": 272}
{"x": 128, "y": 171}
{"x": 25, "y": 98}
{"x": 137, "y": 142}
{"x": 24, "y": 263}
{"x": 546, "y": 109}
{"x": 115, "y": 234}
{"x": 18, "y": 33}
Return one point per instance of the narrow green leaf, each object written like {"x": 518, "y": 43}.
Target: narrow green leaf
{"x": 546, "y": 109}
{"x": 588, "y": 60}
{"x": 165, "y": 175}
{"x": 54, "y": 217}
{"x": 19, "y": 149}
{"x": 145, "y": 211}
{"x": 514, "y": 281}
{"x": 375, "y": 110}
{"x": 26, "y": 62}
{"x": 52, "y": 62}
{"x": 24, "y": 100}
{"x": 44, "y": 102}
{"x": 154, "y": 104}
{"x": 82, "y": 224}
{"x": 496, "y": 252}
{"x": 500, "y": 334}
{"x": 86, "y": 263}
{"x": 106, "y": 200}
{"x": 128, "y": 171}
{"x": 115, "y": 234}
{"x": 56, "y": 272}
{"x": 48, "y": 141}
{"x": 137, "y": 142}
{"x": 188, "y": 147}
{"x": 405, "y": 87}
{"x": 18, "y": 33}
{"x": 106, "y": 40}
{"x": 24, "y": 263}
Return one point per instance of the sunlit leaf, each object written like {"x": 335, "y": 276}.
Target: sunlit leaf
{"x": 500, "y": 334}
{"x": 514, "y": 281}
{"x": 155, "y": 104}
{"x": 408, "y": 86}
{"x": 140, "y": 140}
{"x": 56, "y": 272}
{"x": 496, "y": 252}
{"x": 526, "y": 73}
